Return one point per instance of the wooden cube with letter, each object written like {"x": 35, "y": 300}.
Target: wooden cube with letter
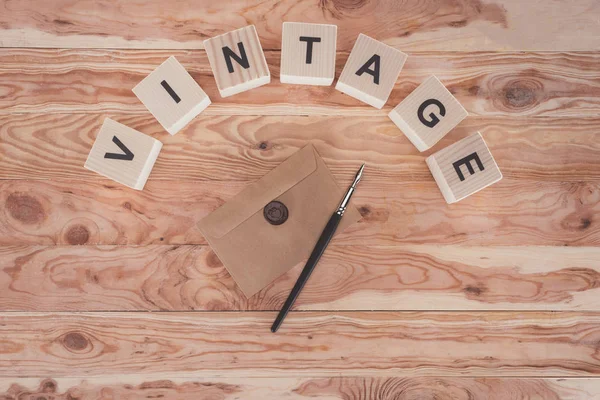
{"x": 464, "y": 168}
{"x": 237, "y": 61}
{"x": 371, "y": 71}
{"x": 171, "y": 95}
{"x": 428, "y": 113}
{"x": 308, "y": 53}
{"x": 123, "y": 154}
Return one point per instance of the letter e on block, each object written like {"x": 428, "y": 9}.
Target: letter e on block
{"x": 171, "y": 95}
{"x": 237, "y": 61}
{"x": 123, "y": 154}
{"x": 428, "y": 114}
{"x": 371, "y": 71}
{"x": 464, "y": 168}
{"x": 308, "y": 53}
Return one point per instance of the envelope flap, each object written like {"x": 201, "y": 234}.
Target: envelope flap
{"x": 259, "y": 194}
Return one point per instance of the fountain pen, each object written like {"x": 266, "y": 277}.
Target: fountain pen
{"x": 317, "y": 252}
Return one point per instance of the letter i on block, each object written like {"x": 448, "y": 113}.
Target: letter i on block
{"x": 123, "y": 154}
{"x": 464, "y": 168}
{"x": 308, "y": 53}
{"x": 171, "y": 95}
{"x": 428, "y": 114}
{"x": 237, "y": 61}
{"x": 371, "y": 71}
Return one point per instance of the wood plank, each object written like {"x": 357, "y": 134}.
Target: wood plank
{"x": 309, "y": 344}
{"x": 411, "y": 24}
{"x": 405, "y": 277}
{"x": 330, "y": 388}
{"x": 485, "y": 83}
{"x": 244, "y": 148}
{"x": 512, "y": 212}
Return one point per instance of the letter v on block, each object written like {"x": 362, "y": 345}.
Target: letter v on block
{"x": 126, "y": 155}
{"x": 132, "y": 165}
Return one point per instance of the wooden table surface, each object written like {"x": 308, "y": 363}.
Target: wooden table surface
{"x": 107, "y": 292}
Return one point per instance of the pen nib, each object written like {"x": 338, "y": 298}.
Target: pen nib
{"x": 358, "y": 175}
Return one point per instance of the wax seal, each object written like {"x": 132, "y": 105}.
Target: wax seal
{"x": 276, "y": 213}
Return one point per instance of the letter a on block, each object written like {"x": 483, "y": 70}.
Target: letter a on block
{"x": 464, "y": 168}
{"x": 171, "y": 95}
{"x": 123, "y": 154}
{"x": 428, "y": 114}
{"x": 237, "y": 61}
{"x": 371, "y": 71}
{"x": 308, "y": 53}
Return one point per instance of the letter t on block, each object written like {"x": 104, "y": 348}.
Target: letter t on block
{"x": 308, "y": 53}
{"x": 237, "y": 61}
{"x": 371, "y": 71}
{"x": 464, "y": 168}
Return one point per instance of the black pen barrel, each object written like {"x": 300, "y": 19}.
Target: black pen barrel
{"x": 316, "y": 254}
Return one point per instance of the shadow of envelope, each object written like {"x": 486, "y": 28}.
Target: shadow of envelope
{"x": 256, "y": 252}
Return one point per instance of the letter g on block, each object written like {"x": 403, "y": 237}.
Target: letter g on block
{"x": 434, "y": 119}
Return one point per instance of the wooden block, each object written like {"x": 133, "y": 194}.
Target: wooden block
{"x": 172, "y": 95}
{"x": 237, "y": 61}
{"x": 123, "y": 154}
{"x": 464, "y": 168}
{"x": 371, "y": 71}
{"x": 428, "y": 114}
{"x": 308, "y": 53}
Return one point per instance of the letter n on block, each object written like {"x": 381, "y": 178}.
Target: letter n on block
{"x": 123, "y": 154}
{"x": 464, "y": 168}
{"x": 371, "y": 71}
{"x": 237, "y": 61}
{"x": 308, "y": 53}
{"x": 428, "y": 114}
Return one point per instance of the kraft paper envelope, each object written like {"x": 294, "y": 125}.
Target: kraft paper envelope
{"x": 256, "y": 252}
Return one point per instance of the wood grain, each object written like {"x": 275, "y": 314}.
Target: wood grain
{"x": 320, "y": 344}
{"x": 495, "y": 297}
{"x": 332, "y": 388}
{"x": 407, "y": 277}
{"x": 244, "y": 148}
{"x": 485, "y": 83}
{"x": 104, "y": 212}
{"x": 410, "y": 24}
